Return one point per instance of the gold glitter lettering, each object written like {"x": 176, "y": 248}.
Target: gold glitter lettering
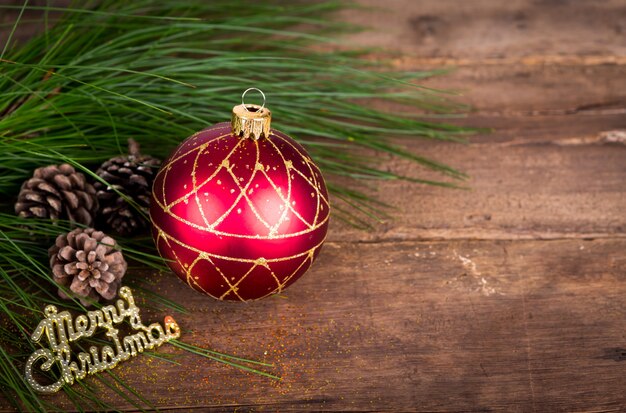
{"x": 60, "y": 329}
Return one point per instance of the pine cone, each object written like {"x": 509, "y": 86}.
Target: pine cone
{"x": 58, "y": 192}
{"x": 86, "y": 260}
{"x": 132, "y": 175}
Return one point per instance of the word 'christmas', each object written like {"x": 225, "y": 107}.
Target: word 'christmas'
{"x": 60, "y": 329}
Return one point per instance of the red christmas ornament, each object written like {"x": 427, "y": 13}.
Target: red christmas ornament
{"x": 239, "y": 209}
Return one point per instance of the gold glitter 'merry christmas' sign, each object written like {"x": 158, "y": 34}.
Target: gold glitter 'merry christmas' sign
{"x": 60, "y": 329}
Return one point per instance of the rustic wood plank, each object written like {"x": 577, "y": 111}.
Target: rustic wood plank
{"x": 514, "y": 90}
{"x": 530, "y": 90}
{"x": 428, "y": 326}
{"x": 533, "y": 177}
{"x": 483, "y": 29}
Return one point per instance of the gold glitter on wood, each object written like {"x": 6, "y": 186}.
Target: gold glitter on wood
{"x": 60, "y": 329}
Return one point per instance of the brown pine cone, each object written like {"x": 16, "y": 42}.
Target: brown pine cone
{"x": 86, "y": 260}
{"x": 132, "y": 175}
{"x": 58, "y": 192}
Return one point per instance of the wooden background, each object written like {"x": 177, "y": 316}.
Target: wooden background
{"x": 509, "y": 297}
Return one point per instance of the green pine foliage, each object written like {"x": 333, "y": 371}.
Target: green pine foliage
{"x": 103, "y": 71}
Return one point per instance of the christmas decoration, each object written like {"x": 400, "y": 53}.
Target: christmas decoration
{"x": 239, "y": 209}
{"x": 53, "y": 110}
{"x": 61, "y": 329}
{"x": 131, "y": 175}
{"x": 88, "y": 262}
{"x": 58, "y": 192}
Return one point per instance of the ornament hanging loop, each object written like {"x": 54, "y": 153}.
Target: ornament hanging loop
{"x": 243, "y": 95}
{"x": 251, "y": 121}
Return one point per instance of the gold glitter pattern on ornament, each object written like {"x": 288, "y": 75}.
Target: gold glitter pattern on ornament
{"x": 307, "y": 259}
{"x": 60, "y": 330}
{"x": 321, "y": 200}
{"x": 287, "y": 205}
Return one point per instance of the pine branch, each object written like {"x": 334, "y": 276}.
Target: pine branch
{"x": 157, "y": 71}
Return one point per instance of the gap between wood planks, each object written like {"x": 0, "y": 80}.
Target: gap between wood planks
{"x": 610, "y": 137}
{"x": 456, "y": 235}
{"x": 595, "y": 109}
{"x": 531, "y": 60}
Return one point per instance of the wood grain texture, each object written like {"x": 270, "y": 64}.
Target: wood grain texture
{"x": 483, "y": 29}
{"x": 430, "y": 326}
{"x": 533, "y": 177}
{"x": 506, "y": 297}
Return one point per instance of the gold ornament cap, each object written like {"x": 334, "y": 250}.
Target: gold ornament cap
{"x": 251, "y": 121}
